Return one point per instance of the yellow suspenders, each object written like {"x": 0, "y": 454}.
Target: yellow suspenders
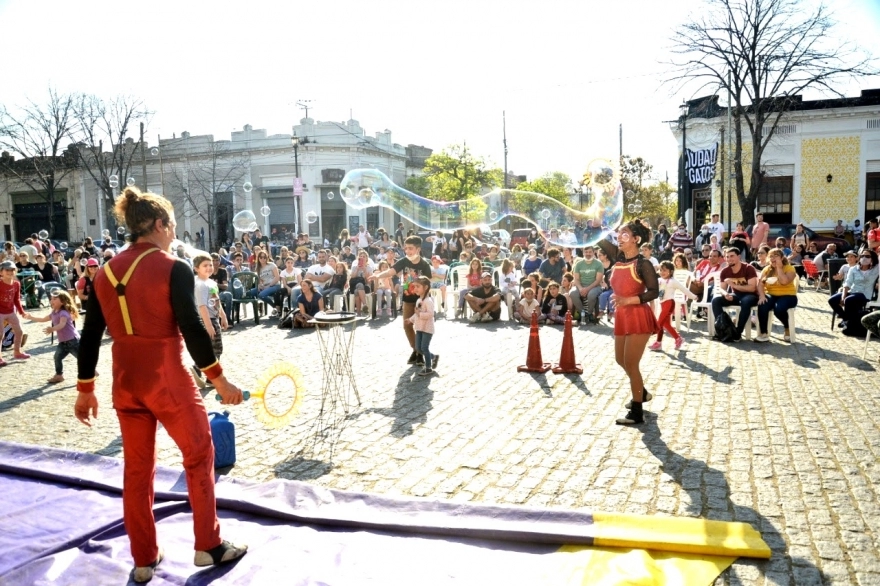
{"x": 120, "y": 287}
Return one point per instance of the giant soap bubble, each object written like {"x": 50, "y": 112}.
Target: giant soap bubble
{"x": 245, "y": 221}
{"x": 364, "y": 188}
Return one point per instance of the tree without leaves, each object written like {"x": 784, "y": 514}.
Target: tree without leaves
{"x": 636, "y": 177}
{"x": 109, "y": 124}
{"x": 194, "y": 180}
{"x": 774, "y": 51}
{"x": 35, "y": 134}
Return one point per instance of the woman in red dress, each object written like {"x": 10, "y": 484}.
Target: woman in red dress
{"x": 634, "y": 282}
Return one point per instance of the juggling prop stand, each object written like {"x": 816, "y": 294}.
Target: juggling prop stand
{"x": 335, "y": 332}
{"x": 534, "y": 361}
{"x": 567, "y": 364}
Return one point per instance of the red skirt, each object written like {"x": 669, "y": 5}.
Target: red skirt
{"x": 635, "y": 319}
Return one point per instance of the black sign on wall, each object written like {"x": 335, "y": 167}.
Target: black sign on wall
{"x": 353, "y": 223}
{"x": 332, "y": 175}
{"x": 700, "y": 165}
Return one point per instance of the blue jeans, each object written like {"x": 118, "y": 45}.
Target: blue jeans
{"x": 423, "y": 342}
{"x": 226, "y": 302}
{"x": 605, "y": 301}
{"x": 779, "y": 305}
{"x": 267, "y": 295}
{"x": 62, "y": 350}
{"x": 745, "y": 301}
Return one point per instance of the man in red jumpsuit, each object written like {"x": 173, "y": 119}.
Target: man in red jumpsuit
{"x": 145, "y": 298}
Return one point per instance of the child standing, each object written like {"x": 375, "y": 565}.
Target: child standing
{"x": 207, "y": 295}
{"x": 668, "y": 287}
{"x": 63, "y": 318}
{"x": 383, "y": 291}
{"x": 10, "y": 307}
{"x": 527, "y": 306}
{"x": 509, "y": 287}
{"x": 423, "y": 320}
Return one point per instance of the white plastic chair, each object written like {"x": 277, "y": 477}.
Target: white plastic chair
{"x": 684, "y": 277}
{"x": 791, "y": 315}
{"x": 705, "y": 302}
{"x": 454, "y": 287}
{"x": 869, "y": 305}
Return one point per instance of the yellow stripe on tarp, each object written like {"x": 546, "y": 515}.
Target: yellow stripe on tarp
{"x": 578, "y": 565}
{"x": 680, "y": 535}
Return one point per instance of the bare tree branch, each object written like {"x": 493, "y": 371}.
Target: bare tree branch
{"x": 774, "y": 50}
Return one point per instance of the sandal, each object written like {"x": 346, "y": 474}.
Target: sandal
{"x": 56, "y": 379}
{"x": 145, "y": 573}
{"x": 225, "y": 552}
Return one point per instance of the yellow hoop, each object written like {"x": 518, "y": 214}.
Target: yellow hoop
{"x": 271, "y": 419}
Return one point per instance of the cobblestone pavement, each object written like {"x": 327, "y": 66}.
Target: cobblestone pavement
{"x": 777, "y": 435}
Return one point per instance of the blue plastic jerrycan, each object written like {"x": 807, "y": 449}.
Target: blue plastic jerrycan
{"x": 223, "y": 435}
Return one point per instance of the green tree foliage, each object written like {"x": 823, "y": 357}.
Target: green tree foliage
{"x": 556, "y": 185}
{"x": 456, "y": 174}
{"x": 656, "y": 205}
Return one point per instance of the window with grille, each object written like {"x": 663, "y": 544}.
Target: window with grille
{"x": 874, "y": 124}
{"x": 774, "y": 196}
{"x": 872, "y": 194}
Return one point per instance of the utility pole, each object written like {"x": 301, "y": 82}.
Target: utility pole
{"x": 620, "y": 143}
{"x": 504, "y": 128}
{"x": 304, "y": 104}
{"x": 144, "y": 157}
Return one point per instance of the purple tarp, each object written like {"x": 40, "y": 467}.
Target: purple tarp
{"x": 61, "y": 523}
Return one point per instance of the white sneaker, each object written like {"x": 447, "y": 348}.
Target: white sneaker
{"x": 762, "y": 338}
{"x": 143, "y": 574}
{"x": 475, "y": 318}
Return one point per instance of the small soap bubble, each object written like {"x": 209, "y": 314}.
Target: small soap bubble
{"x": 236, "y": 284}
{"x": 120, "y": 230}
{"x": 211, "y": 303}
{"x": 265, "y": 211}
{"x": 130, "y": 181}
{"x": 545, "y": 213}
{"x": 630, "y": 194}
{"x": 154, "y": 151}
{"x": 311, "y": 217}
{"x": 493, "y": 215}
{"x": 247, "y": 187}
{"x": 365, "y": 196}
{"x": 43, "y": 234}
{"x": 82, "y": 262}
{"x": 601, "y": 172}
{"x": 244, "y": 221}
{"x": 105, "y": 232}
{"x": 113, "y": 180}
{"x": 63, "y": 246}
{"x": 330, "y": 195}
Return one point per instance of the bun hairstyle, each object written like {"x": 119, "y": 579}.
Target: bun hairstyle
{"x": 139, "y": 211}
{"x": 640, "y": 231}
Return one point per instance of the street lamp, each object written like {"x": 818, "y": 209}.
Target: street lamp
{"x": 683, "y": 192}
{"x": 294, "y": 141}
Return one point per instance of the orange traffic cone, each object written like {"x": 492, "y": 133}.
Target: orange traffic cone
{"x": 534, "y": 362}
{"x": 566, "y": 363}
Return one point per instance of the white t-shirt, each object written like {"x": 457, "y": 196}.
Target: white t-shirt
{"x": 319, "y": 271}
{"x": 290, "y": 278}
{"x": 526, "y": 308}
{"x": 362, "y": 239}
{"x": 718, "y": 230}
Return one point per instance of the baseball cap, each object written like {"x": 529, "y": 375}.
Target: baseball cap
{"x": 851, "y": 253}
{"x": 487, "y": 274}
{"x": 92, "y": 262}
{"x": 435, "y": 257}
{"x": 7, "y": 264}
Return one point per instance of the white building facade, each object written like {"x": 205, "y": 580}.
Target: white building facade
{"x": 209, "y": 181}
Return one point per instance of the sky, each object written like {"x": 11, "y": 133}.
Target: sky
{"x": 566, "y": 73}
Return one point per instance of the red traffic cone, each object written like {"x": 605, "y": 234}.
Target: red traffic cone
{"x": 534, "y": 362}
{"x": 566, "y": 363}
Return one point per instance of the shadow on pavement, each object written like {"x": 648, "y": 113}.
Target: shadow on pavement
{"x": 709, "y": 490}
{"x": 32, "y": 394}
{"x": 300, "y": 468}
{"x": 412, "y": 402}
